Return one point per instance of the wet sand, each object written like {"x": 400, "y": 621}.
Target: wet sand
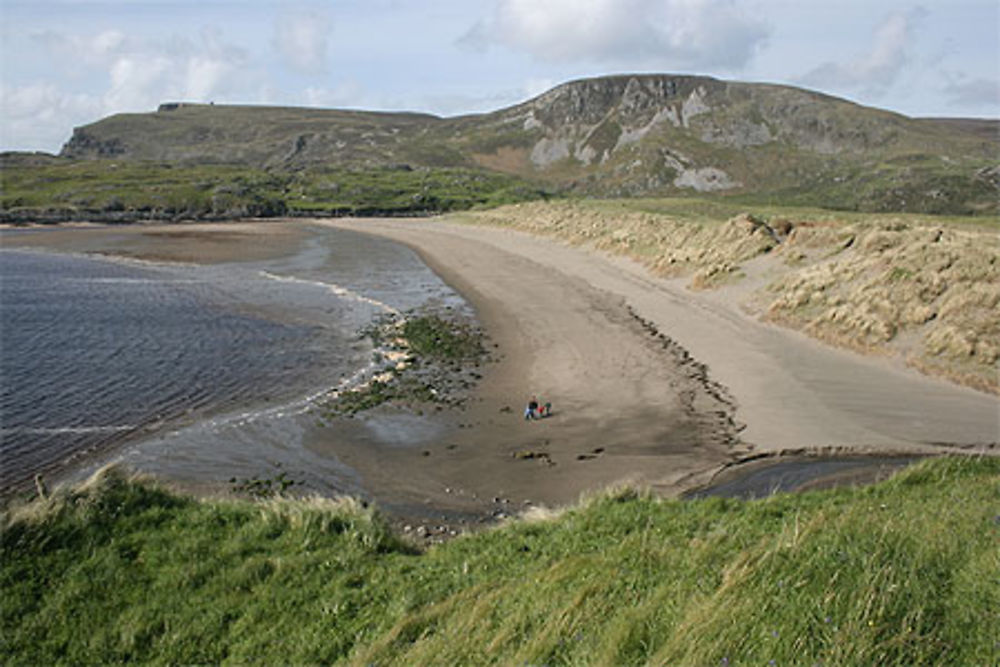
{"x": 608, "y": 345}
{"x": 625, "y": 406}
{"x": 196, "y": 243}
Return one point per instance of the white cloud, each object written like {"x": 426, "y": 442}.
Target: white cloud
{"x": 79, "y": 51}
{"x": 874, "y": 72}
{"x": 648, "y": 33}
{"x": 107, "y": 42}
{"x": 205, "y": 76}
{"x": 135, "y": 79}
{"x": 144, "y": 74}
{"x": 121, "y": 74}
{"x": 36, "y": 116}
{"x": 42, "y": 101}
{"x": 302, "y": 39}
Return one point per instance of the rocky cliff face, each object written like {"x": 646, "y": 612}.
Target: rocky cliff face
{"x": 707, "y": 134}
{"x": 87, "y": 144}
{"x": 620, "y": 135}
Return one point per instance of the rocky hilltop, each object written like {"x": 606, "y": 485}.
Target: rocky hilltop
{"x": 615, "y": 136}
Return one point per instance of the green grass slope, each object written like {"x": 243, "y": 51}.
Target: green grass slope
{"x": 252, "y": 135}
{"x": 905, "y": 572}
{"x": 124, "y": 191}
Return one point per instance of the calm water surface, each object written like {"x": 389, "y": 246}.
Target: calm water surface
{"x": 199, "y": 372}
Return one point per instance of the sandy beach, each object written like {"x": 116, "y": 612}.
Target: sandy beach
{"x": 650, "y": 383}
{"x": 625, "y": 407}
{"x": 581, "y": 328}
{"x": 789, "y": 391}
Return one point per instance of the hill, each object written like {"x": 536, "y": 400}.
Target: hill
{"x": 641, "y": 135}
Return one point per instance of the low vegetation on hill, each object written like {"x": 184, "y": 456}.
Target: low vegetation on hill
{"x": 126, "y": 191}
{"x": 926, "y": 288}
{"x": 901, "y": 573}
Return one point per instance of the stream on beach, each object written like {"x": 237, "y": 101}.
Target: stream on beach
{"x": 195, "y": 372}
{"x": 778, "y": 475}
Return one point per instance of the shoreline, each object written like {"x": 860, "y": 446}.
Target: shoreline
{"x": 636, "y": 397}
{"x": 66, "y": 439}
{"x": 486, "y": 461}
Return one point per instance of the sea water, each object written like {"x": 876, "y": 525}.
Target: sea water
{"x": 202, "y": 373}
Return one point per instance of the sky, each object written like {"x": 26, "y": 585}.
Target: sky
{"x": 66, "y": 63}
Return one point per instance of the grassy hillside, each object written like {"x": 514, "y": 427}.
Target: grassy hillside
{"x": 250, "y": 135}
{"x": 129, "y": 190}
{"x": 615, "y": 136}
{"x": 905, "y": 572}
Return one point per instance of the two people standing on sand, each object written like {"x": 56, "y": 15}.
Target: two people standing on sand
{"x": 536, "y": 411}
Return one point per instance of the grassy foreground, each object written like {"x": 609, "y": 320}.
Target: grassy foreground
{"x": 905, "y": 572}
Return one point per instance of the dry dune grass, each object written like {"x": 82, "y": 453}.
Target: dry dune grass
{"x": 708, "y": 249}
{"x": 927, "y": 293}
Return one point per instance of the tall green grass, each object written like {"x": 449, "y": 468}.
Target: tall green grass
{"x": 906, "y": 572}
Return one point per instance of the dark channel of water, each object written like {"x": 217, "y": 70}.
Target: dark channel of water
{"x": 96, "y": 354}
{"x": 780, "y": 476}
